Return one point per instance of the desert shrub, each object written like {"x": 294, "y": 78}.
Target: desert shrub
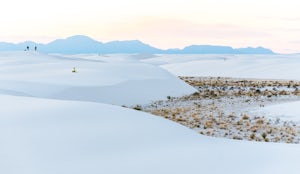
{"x": 264, "y": 135}
{"x": 138, "y": 107}
{"x": 252, "y": 136}
{"x": 245, "y": 117}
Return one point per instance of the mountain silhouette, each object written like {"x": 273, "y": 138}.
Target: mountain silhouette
{"x": 73, "y": 45}
{"x": 80, "y": 44}
{"x": 132, "y": 46}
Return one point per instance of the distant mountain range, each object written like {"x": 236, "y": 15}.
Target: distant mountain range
{"x": 80, "y": 44}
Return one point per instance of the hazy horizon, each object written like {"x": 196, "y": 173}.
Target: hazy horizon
{"x": 162, "y": 24}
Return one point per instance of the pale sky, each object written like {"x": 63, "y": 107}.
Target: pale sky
{"x": 274, "y": 24}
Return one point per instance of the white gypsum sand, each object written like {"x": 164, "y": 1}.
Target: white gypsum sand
{"x": 43, "y": 135}
{"x": 223, "y": 107}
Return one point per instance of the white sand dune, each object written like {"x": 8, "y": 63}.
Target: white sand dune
{"x": 52, "y": 136}
{"x": 41, "y": 135}
{"x": 37, "y": 75}
{"x": 286, "y": 111}
{"x": 241, "y": 66}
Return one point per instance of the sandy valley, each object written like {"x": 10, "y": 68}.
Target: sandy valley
{"x": 225, "y": 107}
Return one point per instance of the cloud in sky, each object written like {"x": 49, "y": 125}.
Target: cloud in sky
{"x": 165, "y": 24}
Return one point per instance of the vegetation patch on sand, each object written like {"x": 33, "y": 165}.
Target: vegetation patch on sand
{"x": 222, "y": 108}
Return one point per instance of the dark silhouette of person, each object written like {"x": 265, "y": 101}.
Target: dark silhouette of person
{"x": 27, "y": 48}
{"x": 35, "y": 48}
